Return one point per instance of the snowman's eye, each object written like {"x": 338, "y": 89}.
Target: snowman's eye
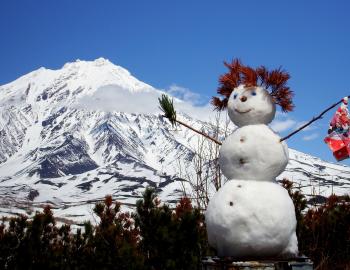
{"x": 253, "y": 93}
{"x": 234, "y": 96}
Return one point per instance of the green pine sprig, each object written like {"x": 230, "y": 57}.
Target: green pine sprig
{"x": 167, "y": 106}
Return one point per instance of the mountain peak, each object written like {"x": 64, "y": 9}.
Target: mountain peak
{"x": 98, "y": 62}
{"x": 101, "y": 61}
{"x": 76, "y": 77}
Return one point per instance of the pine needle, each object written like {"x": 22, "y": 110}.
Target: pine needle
{"x": 167, "y": 106}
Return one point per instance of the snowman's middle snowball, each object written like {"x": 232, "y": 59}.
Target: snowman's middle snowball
{"x": 253, "y": 152}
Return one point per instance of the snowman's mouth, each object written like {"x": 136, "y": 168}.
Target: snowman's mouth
{"x": 243, "y": 111}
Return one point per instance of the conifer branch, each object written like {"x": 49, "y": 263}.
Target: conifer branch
{"x": 167, "y": 106}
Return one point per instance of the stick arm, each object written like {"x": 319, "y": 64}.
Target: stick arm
{"x": 312, "y": 120}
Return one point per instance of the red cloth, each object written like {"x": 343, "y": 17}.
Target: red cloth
{"x": 339, "y": 144}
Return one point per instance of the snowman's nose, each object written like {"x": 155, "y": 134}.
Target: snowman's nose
{"x": 243, "y": 98}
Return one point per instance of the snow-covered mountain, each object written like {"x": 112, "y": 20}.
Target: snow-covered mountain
{"x": 70, "y": 136}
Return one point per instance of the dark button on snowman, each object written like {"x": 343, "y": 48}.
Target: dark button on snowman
{"x": 252, "y": 216}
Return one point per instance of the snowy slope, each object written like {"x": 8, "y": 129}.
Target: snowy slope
{"x": 70, "y": 136}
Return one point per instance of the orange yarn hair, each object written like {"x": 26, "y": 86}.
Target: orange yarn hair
{"x": 274, "y": 81}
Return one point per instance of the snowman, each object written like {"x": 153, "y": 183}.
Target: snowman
{"x": 252, "y": 216}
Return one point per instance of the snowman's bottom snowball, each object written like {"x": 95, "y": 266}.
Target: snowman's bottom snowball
{"x": 252, "y": 219}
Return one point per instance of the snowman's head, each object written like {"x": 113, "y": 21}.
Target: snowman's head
{"x": 250, "y": 105}
{"x": 251, "y": 94}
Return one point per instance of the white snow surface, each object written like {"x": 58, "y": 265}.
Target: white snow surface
{"x": 253, "y": 152}
{"x": 63, "y": 143}
{"x": 249, "y": 106}
{"x": 252, "y": 219}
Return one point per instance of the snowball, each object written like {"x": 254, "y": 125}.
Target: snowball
{"x": 253, "y": 152}
{"x": 247, "y": 106}
{"x": 252, "y": 219}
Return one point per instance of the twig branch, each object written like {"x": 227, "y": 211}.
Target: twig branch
{"x": 195, "y": 130}
{"x": 312, "y": 120}
{"x": 199, "y": 132}
{"x": 167, "y": 106}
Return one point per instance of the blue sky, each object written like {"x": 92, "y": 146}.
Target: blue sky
{"x": 184, "y": 43}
